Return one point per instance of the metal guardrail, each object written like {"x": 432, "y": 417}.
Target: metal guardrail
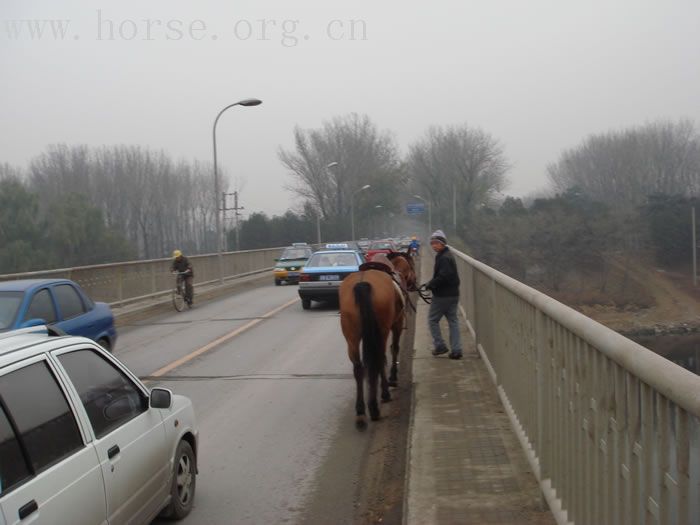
{"x": 120, "y": 283}
{"x": 612, "y": 430}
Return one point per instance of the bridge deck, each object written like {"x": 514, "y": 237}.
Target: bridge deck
{"x": 466, "y": 465}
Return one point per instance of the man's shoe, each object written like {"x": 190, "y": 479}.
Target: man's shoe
{"x": 440, "y": 350}
{"x": 455, "y": 356}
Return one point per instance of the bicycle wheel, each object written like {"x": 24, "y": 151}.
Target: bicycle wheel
{"x": 178, "y": 300}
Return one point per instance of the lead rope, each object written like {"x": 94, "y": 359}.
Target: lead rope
{"x": 425, "y": 295}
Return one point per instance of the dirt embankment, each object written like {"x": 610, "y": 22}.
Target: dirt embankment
{"x": 670, "y": 303}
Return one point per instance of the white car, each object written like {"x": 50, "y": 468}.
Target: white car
{"x": 83, "y": 441}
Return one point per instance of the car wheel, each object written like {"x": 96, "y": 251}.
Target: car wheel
{"x": 306, "y": 304}
{"x": 277, "y": 282}
{"x": 104, "y": 343}
{"x": 184, "y": 483}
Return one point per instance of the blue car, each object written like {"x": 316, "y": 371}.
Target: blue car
{"x": 325, "y": 270}
{"x": 58, "y": 302}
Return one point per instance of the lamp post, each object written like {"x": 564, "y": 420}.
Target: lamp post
{"x": 379, "y": 207}
{"x": 318, "y": 212}
{"x": 352, "y": 208}
{"x": 430, "y": 213}
{"x": 217, "y": 212}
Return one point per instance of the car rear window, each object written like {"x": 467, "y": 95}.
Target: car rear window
{"x": 41, "y": 413}
{"x": 291, "y": 254}
{"x": 9, "y": 304}
{"x": 13, "y": 465}
{"x": 321, "y": 260}
{"x": 69, "y": 302}
{"x": 381, "y": 246}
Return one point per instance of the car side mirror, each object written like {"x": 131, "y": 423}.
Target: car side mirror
{"x": 161, "y": 398}
{"x": 33, "y": 322}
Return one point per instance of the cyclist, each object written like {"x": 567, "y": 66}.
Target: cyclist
{"x": 182, "y": 267}
{"x": 414, "y": 247}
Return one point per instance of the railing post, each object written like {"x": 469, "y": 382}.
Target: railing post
{"x": 539, "y": 404}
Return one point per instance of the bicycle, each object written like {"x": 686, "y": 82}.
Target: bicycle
{"x": 179, "y": 293}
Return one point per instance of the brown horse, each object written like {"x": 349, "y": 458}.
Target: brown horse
{"x": 371, "y": 306}
{"x": 403, "y": 264}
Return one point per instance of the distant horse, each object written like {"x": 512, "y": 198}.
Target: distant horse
{"x": 372, "y": 304}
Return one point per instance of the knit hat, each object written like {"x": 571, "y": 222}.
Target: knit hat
{"x": 439, "y": 235}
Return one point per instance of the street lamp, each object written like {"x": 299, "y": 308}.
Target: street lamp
{"x": 430, "y": 213}
{"x": 352, "y": 208}
{"x": 248, "y": 102}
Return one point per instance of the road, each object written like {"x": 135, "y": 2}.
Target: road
{"x": 274, "y": 396}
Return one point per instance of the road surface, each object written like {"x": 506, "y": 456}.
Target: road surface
{"x": 274, "y": 396}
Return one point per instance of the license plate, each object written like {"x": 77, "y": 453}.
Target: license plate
{"x": 329, "y": 278}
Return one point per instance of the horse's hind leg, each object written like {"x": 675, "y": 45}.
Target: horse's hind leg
{"x": 360, "y": 418}
{"x": 386, "y": 395}
{"x": 395, "y": 345}
{"x": 359, "y": 372}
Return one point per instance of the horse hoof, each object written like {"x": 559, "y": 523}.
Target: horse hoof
{"x": 375, "y": 417}
{"x": 360, "y": 423}
{"x": 386, "y": 397}
{"x": 393, "y": 384}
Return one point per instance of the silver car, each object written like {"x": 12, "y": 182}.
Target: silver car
{"x": 83, "y": 441}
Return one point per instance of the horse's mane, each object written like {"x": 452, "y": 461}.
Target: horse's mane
{"x": 395, "y": 255}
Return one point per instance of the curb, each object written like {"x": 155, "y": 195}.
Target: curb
{"x": 420, "y": 328}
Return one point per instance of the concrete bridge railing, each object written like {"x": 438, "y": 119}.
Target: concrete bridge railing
{"x": 125, "y": 282}
{"x": 612, "y": 430}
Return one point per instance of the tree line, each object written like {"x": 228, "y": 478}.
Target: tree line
{"x": 631, "y": 188}
{"x": 116, "y": 202}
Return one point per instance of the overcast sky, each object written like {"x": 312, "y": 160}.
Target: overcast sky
{"x": 538, "y": 75}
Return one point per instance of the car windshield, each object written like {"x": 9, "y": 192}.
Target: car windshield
{"x": 292, "y": 254}
{"x": 322, "y": 260}
{"x": 381, "y": 246}
{"x": 9, "y": 304}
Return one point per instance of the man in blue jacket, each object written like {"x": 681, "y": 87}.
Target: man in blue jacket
{"x": 445, "y": 288}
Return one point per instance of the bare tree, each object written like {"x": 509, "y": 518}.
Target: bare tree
{"x": 364, "y": 155}
{"x": 625, "y": 167}
{"x": 457, "y": 160}
{"x": 153, "y": 201}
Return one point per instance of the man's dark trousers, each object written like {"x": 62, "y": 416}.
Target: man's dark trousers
{"x": 445, "y": 307}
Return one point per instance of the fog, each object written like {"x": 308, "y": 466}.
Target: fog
{"x": 538, "y": 75}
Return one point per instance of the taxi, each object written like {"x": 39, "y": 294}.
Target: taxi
{"x": 289, "y": 265}
{"x": 325, "y": 270}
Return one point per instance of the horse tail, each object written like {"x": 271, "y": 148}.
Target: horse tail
{"x": 372, "y": 351}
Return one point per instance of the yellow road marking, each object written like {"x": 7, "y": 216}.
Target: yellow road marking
{"x": 221, "y": 340}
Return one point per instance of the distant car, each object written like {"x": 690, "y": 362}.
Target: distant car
{"x": 58, "y": 302}
{"x": 375, "y": 247}
{"x": 291, "y": 262}
{"x": 364, "y": 244}
{"x": 84, "y": 441}
{"x": 345, "y": 245}
{"x": 324, "y": 272}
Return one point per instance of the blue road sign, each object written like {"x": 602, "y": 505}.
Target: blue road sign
{"x": 415, "y": 208}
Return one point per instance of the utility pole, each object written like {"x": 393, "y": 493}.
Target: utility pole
{"x": 236, "y": 214}
{"x": 695, "y": 248}
{"x": 318, "y": 227}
